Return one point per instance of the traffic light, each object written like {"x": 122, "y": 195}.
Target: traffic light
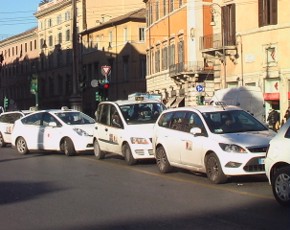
{"x": 6, "y": 102}
{"x": 103, "y": 89}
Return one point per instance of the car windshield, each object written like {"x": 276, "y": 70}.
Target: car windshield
{"x": 75, "y": 118}
{"x": 232, "y": 121}
{"x": 141, "y": 113}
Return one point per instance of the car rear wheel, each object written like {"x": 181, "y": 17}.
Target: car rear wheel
{"x": 97, "y": 150}
{"x": 128, "y": 155}
{"x": 162, "y": 161}
{"x": 214, "y": 170}
{"x": 281, "y": 186}
{"x": 68, "y": 147}
{"x": 2, "y": 142}
{"x": 21, "y": 146}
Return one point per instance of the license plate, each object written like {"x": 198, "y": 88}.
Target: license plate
{"x": 261, "y": 161}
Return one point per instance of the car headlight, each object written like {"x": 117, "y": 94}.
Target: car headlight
{"x": 232, "y": 148}
{"x": 80, "y": 132}
{"x": 138, "y": 140}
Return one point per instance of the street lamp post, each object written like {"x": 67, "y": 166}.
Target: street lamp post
{"x": 224, "y": 60}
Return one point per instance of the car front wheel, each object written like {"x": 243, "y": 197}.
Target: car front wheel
{"x": 68, "y": 147}
{"x": 128, "y": 155}
{"x": 214, "y": 170}
{"x": 162, "y": 161}
{"x": 281, "y": 186}
{"x": 2, "y": 142}
{"x": 21, "y": 146}
{"x": 97, "y": 150}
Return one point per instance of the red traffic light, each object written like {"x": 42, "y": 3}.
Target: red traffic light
{"x": 106, "y": 86}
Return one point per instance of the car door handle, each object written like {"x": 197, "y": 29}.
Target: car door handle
{"x": 106, "y": 129}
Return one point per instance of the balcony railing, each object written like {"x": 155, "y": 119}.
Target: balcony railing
{"x": 214, "y": 42}
{"x": 186, "y": 68}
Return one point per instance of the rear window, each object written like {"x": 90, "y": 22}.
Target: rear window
{"x": 10, "y": 118}
{"x": 141, "y": 113}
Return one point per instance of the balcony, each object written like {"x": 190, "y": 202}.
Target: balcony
{"x": 209, "y": 44}
{"x": 188, "y": 68}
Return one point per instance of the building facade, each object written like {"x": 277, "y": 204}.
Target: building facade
{"x": 118, "y": 44}
{"x": 55, "y": 59}
{"x": 175, "y": 65}
{"x": 19, "y": 61}
{"x": 233, "y": 43}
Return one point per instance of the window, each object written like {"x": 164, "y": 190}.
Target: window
{"x": 67, "y": 16}
{"x": 164, "y": 7}
{"x": 49, "y": 23}
{"x": 59, "y": 38}
{"x": 59, "y": 20}
{"x": 157, "y": 10}
{"x": 141, "y": 34}
{"x": 181, "y": 51}
{"x": 67, "y": 35}
{"x": 171, "y": 54}
{"x": 157, "y": 60}
{"x": 180, "y": 2}
{"x": 50, "y": 40}
{"x": 171, "y": 6}
{"x": 268, "y": 12}
{"x": 229, "y": 17}
{"x": 164, "y": 58}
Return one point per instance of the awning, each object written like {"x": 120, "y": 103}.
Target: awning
{"x": 170, "y": 102}
{"x": 177, "y": 102}
{"x": 273, "y": 96}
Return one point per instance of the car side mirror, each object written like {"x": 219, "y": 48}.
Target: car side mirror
{"x": 52, "y": 124}
{"x": 196, "y": 131}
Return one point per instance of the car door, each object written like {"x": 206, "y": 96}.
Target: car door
{"x": 101, "y": 127}
{"x": 31, "y": 131}
{"x": 115, "y": 130}
{"x": 52, "y": 134}
{"x": 192, "y": 146}
{"x": 173, "y": 137}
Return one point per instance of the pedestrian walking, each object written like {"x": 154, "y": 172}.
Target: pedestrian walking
{"x": 274, "y": 120}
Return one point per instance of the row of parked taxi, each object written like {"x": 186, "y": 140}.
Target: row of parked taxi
{"x": 217, "y": 140}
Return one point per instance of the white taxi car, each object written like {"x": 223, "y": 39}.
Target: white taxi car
{"x": 125, "y": 128}
{"x": 66, "y": 130}
{"x": 221, "y": 141}
{"x": 277, "y": 165}
{"x": 7, "y": 120}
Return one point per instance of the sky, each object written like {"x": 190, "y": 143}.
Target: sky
{"x": 17, "y": 16}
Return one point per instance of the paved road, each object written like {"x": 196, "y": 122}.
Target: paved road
{"x": 51, "y": 191}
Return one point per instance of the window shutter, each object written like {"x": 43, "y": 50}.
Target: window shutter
{"x": 274, "y": 12}
{"x": 260, "y": 13}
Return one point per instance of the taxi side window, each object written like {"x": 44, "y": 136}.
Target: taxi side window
{"x": 179, "y": 121}
{"x": 47, "y": 118}
{"x": 194, "y": 121}
{"x": 34, "y": 119}
{"x": 103, "y": 116}
{"x": 165, "y": 120}
{"x": 115, "y": 118}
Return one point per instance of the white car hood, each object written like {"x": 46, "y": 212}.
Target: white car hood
{"x": 247, "y": 139}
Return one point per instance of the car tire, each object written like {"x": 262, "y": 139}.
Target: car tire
{"x": 97, "y": 151}
{"x": 281, "y": 186}
{"x": 162, "y": 160}
{"x": 68, "y": 147}
{"x": 214, "y": 170}
{"x": 128, "y": 155}
{"x": 2, "y": 142}
{"x": 21, "y": 146}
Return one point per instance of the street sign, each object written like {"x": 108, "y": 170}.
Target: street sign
{"x": 199, "y": 88}
{"x": 106, "y": 70}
